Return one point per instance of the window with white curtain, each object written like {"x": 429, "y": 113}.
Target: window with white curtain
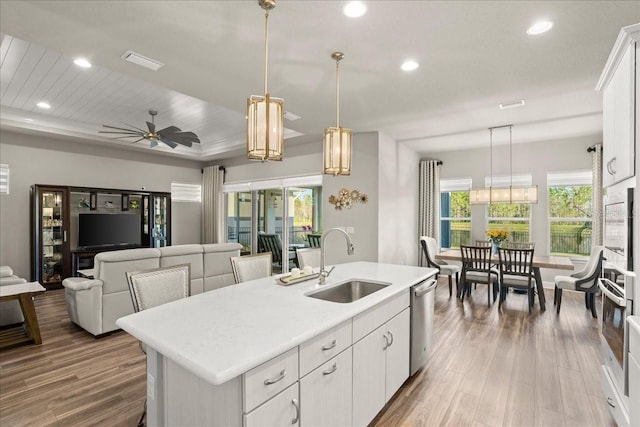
{"x": 570, "y": 212}
{"x": 512, "y": 217}
{"x": 4, "y": 179}
{"x": 455, "y": 212}
{"x": 186, "y": 192}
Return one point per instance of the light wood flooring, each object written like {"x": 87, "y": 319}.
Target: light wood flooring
{"x": 488, "y": 368}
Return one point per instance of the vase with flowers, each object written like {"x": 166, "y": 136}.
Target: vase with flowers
{"x": 496, "y": 237}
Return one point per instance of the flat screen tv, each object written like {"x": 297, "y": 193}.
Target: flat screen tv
{"x": 108, "y": 230}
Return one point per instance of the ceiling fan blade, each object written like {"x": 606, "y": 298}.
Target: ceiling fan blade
{"x": 137, "y": 140}
{"x": 180, "y": 137}
{"x": 152, "y": 127}
{"x": 123, "y": 129}
{"x": 169, "y": 142}
{"x": 132, "y": 133}
{"x": 169, "y": 130}
{"x": 135, "y": 127}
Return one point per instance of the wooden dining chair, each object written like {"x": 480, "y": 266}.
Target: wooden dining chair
{"x": 430, "y": 249}
{"x": 483, "y": 243}
{"x": 477, "y": 267}
{"x": 272, "y": 243}
{"x": 516, "y": 271}
{"x": 518, "y": 245}
{"x": 314, "y": 240}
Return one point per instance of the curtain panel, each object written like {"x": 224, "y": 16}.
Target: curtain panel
{"x": 212, "y": 205}
{"x": 597, "y": 216}
{"x": 429, "y": 202}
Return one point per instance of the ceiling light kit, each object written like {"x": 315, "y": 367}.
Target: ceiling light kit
{"x": 511, "y": 194}
{"x": 539, "y": 28}
{"x": 337, "y": 140}
{"x": 171, "y": 136}
{"x": 265, "y": 115}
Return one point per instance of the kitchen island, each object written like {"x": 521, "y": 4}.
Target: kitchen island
{"x": 246, "y": 354}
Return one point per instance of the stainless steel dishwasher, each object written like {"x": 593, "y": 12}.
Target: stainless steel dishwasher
{"x": 422, "y": 301}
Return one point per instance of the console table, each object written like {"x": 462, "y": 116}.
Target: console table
{"x": 24, "y": 293}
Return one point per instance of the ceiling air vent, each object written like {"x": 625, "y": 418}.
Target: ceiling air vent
{"x": 142, "y": 60}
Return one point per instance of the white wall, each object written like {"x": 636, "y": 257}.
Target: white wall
{"x": 34, "y": 159}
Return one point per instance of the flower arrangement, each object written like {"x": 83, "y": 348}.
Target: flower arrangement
{"x": 497, "y": 236}
{"x": 347, "y": 198}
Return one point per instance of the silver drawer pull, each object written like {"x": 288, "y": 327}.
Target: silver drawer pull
{"x": 280, "y": 377}
{"x": 391, "y": 338}
{"x": 386, "y": 341}
{"x": 295, "y": 405}
{"x": 330, "y": 346}
{"x": 330, "y": 370}
{"x": 611, "y": 402}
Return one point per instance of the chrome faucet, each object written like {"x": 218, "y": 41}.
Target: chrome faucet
{"x": 324, "y": 273}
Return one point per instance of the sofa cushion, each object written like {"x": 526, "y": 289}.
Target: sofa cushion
{"x": 217, "y": 264}
{"x": 111, "y": 267}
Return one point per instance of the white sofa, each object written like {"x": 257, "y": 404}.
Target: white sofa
{"x": 10, "y": 312}
{"x": 95, "y": 304}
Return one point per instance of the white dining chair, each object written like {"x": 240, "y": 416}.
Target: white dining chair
{"x": 250, "y": 267}
{"x": 151, "y": 288}
{"x": 585, "y": 280}
{"x": 308, "y": 257}
{"x": 430, "y": 249}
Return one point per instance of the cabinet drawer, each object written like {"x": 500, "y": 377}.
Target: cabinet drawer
{"x": 613, "y": 400}
{"x": 376, "y": 316}
{"x": 322, "y": 348}
{"x": 634, "y": 336}
{"x": 265, "y": 381}
{"x": 282, "y": 410}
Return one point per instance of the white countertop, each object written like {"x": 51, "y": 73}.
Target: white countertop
{"x": 221, "y": 334}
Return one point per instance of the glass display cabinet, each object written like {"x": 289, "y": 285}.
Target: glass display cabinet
{"x": 50, "y": 226}
{"x": 161, "y": 217}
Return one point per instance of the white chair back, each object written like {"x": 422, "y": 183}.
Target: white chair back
{"x": 592, "y": 264}
{"x": 250, "y": 267}
{"x": 158, "y": 286}
{"x": 308, "y": 257}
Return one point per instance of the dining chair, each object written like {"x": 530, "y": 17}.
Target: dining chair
{"x": 585, "y": 280}
{"x": 272, "y": 243}
{"x": 308, "y": 257}
{"x": 151, "y": 288}
{"x": 518, "y": 245}
{"x": 429, "y": 247}
{"x": 314, "y": 240}
{"x": 478, "y": 267}
{"x": 250, "y": 267}
{"x": 516, "y": 271}
{"x": 483, "y": 243}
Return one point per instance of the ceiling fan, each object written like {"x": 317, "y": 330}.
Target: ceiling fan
{"x": 172, "y": 135}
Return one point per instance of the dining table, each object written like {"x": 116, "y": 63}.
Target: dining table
{"x": 539, "y": 261}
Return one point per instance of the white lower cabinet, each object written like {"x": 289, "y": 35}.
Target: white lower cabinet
{"x": 325, "y": 393}
{"x": 634, "y": 391}
{"x": 380, "y": 367}
{"x": 282, "y": 410}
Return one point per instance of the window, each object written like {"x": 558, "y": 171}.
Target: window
{"x": 513, "y": 217}
{"x": 186, "y": 192}
{"x": 455, "y": 212}
{"x": 570, "y": 212}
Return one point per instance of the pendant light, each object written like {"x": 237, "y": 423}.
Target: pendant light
{"x": 337, "y": 140}
{"x": 265, "y": 115}
{"x": 511, "y": 194}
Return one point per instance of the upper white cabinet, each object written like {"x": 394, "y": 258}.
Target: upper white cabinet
{"x": 618, "y": 84}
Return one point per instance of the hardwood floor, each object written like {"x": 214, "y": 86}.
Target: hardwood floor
{"x": 488, "y": 368}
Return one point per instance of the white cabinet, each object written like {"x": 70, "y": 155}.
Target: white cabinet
{"x": 634, "y": 370}
{"x": 618, "y": 85}
{"x": 380, "y": 359}
{"x": 282, "y": 410}
{"x": 265, "y": 381}
{"x": 325, "y": 393}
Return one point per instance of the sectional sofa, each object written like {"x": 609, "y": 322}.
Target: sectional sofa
{"x": 95, "y": 304}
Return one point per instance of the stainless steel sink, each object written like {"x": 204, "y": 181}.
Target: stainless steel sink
{"x": 349, "y": 291}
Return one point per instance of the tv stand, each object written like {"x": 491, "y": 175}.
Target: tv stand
{"x": 82, "y": 257}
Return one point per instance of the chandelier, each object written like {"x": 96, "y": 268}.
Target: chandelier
{"x": 511, "y": 194}
{"x": 265, "y": 115}
{"x": 337, "y": 140}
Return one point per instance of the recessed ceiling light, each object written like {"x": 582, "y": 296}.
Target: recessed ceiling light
{"x": 409, "y": 65}
{"x": 540, "y": 27}
{"x": 44, "y": 104}
{"x": 511, "y": 104}
{"x": 355, "y": 9}
{"x": 81, "y": 62}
